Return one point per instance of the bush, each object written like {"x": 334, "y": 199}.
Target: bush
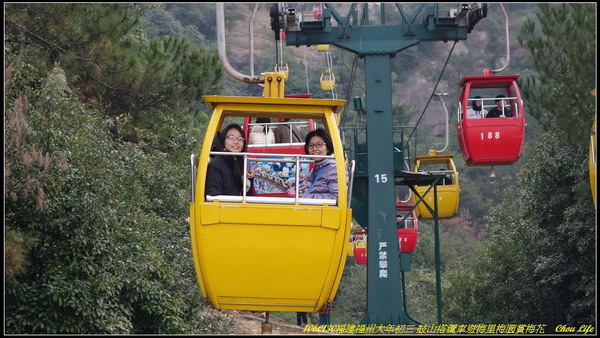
{"x": 105, "y": 223}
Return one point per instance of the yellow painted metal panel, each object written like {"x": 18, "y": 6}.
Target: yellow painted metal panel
{"x": 238, "y": 213}
{"x": 257, "y": 303}
{"x": 331, "y": 218}
{"x": 342, "y": 240}
{"x": 263, "y": 262}
{"x": 448, "y": 197}
{"x": 350, "y": 249}
{"x": 322, "y": 48}
{"x": 275, "y": 83}
{"x": 195, "y": 249}
{"x": 281, "y": 103}
{"x": 327, "y": 80}
{"x": 209, "y": 213}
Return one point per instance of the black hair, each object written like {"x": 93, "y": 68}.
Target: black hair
{"x": 263, "y": 120}
{"x": 217, "y": 144}
{"x": 474, "y": 104}
{"x": 322, "y": 134}
{"x": 498, "y": 97}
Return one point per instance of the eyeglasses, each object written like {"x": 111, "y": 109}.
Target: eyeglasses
{"x": 316, "y": 145}
{"x": 233, "y": 138}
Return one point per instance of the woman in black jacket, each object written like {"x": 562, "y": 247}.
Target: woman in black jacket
{"x": 225, "y": 173}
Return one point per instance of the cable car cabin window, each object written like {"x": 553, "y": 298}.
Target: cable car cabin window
{"x": 280, "y": 135}
{"x": 409, "y": 222}
{"x": 281, "y": 171}
{"x": 261, "y": 133}
{"x": 490, "y": 103}
{"x": 317, "y": 11}
{"x": 288, "y": 132}
{"x": 435, "y": 169}
{"x": 276, "y": 180}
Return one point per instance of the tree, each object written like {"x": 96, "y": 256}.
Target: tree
{"x": 108, "y": 59}
{"x": 97, "y": 238}
{"x": 160, "y": 23}
{"x": 564, "y": 53}
{"x": 100, "y": 223}
{"x": 202, "y": 16}
{"x": 537, "y": 265}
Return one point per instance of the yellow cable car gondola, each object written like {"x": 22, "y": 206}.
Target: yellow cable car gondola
{"x": 261, "y": 253}
{"x": 592, "y": 162}
{"x": 327, "y": 80}
{"x": 448, "y": 190}
{"x": 323, "y": 48}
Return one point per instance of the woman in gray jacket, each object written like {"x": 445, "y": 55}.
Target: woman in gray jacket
{"x": 324, "y": 181}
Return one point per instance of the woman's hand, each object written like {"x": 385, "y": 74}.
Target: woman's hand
{"x": 252, "y": 172}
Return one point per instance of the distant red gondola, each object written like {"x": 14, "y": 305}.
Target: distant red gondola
{"x": 408, "y": 233}
{"x": 485, "y": 140}
{"x": 359, "y": 239}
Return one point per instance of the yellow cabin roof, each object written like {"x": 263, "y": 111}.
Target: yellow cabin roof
{"x": 214, "y": 100}
{"x": 437, "y": 157}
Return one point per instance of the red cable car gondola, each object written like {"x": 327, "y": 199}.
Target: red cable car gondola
{"x": 359, "y": 239}
{"x": 485, "y": 140}
{"x": 408, "y": 234}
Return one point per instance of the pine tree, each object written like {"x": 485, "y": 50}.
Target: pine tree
{"x": 96, "y": 238}
{"x": 564, "y": 55}
{"x": 538, "y": 264}
{"x": 105, "y": 54}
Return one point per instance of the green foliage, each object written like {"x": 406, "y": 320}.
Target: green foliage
{"x": 97, "y": 237}
{"x": 421, "y": 295}
{"x": 111, "y": 252}
{"x": 16, "y": 252}
{"x": 350, "y": 305}
{"x": 161, "y": 23}
{"x": 564, "y": 54}
{"x": 108, "y": 59}
{"x": 201, "y": 16}
{"x": 538, "y": 262}
{"x": 538, "y": 265}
